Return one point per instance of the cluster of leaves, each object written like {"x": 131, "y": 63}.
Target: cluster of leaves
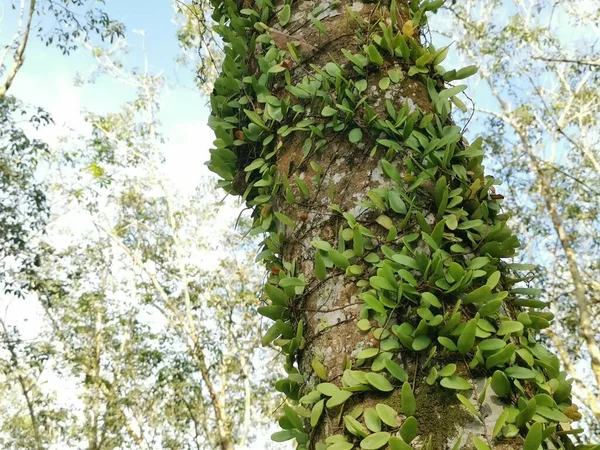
{"x": 149, "y": 324}
{"x": 542, "y": 132}
{"x": 430, "y": 264}
{"x": 198, "y": 40}
{"x": 76, "y": 21}
{"x": 23, "y": 204}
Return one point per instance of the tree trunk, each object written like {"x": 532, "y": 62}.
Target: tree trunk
{"x": 384, "y": 238}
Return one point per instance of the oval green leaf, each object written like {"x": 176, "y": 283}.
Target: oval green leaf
{"x": 456, "y": 382}
{"x": 387, "y": 414}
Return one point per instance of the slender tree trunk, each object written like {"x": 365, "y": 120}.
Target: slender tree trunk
{"x": 19, "y": 57}
{"x": 385, "y": 240}
{"x": 25, "y": 387}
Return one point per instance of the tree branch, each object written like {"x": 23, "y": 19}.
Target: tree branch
{"x": 20, "y": 53}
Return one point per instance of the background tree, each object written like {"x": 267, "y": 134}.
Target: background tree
{"x": 65, "y": 23}
{"x": 198, "y": 41}
{"x": 151, "y": 319}
{"x": 402, "y": 324}
{"x": 23, "y": 203}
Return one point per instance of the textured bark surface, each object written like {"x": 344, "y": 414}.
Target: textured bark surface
{"x": 334, "y": 201}
{"x": 332, "y": 307}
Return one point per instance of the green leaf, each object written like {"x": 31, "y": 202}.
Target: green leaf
{"x": 273, "y": 312}
{"x": 466, "y": 339}
{"x": 368, "y": 353}
{"x": 395, "y": 75}
{"x": 398, "y": 444}
{"x": 408, "y": 430}
{"x": 396, "y": 203}
{"x": 256, "y": 119}
{"x": 276, "y": 295}
{"x": 424, "y": 59}
{"x": 338, "y": 259}
{"x": 465, "y": 72}
{"x": 553, "y": 414}
{"x": 500, "y": 423}
{"x": 320, "y": 267}
{"x": 407, "y": 261}
{"x": 361, "y": 85}
{"x": 375, "y": 441}
{"x": 534, "y": 437}
{"x": 433, "y": 375}
{"x": 328, "y": 389}
{"x": 315, "y": 413}
{"x": 372, "y": 420}
{"x": 311, "y": 397}
{"x": 500, "y": 384}
{"x": 387, "y": 414}
{"x": 391, "y": 172}
{"x": 338, "y": 398}
{"x": 355, "y": 135}
{"x": 478, "y": 295}
{"x": 379, "y": 382}
{"x": 501, "y": 357}
{"x": 470, "y": 224}
{"x": 328, "y": 111}
{"x": 451, "y": 92}
{"x": 284, "y": 435}
{"x": 509, "y": 327}
{"x": 384, "y": 83}
{"x": 319, "y": 369}
{"x": 447, "y": 370}
{"x": 381, "y": 283}
{"x": 271, "y": 334}
{"x": 441, "y": 54}
{"x": 293, "y": 417}
{"x": 421, "y": 343}
{"x": 520, "y": 373}
{"x": 374, "y": 55}
{"x": 409, "y": 404}
{"x": 284, "y": 15}
{"x": 490, "y": 308}
{"x": 396, "y": 370}
{"x": 527, "y": 414}
{"x": 364, "y": 325}
{"x": 291, "y": 281}
{"x": 354, "y": 426}
{"x": 428, "y": 297}
{"x": 341, "y": 446}
{"x": 483, "y": 392}
{"x": 448, "y": 343}
{"x": 321, "y": 245}
{"x": 491, "y": 345}
{"x": 480, "y": 444}
{"x": 468, "y": 405}
{"x": 332, "y": 69}
{"x": 456, "y": 382}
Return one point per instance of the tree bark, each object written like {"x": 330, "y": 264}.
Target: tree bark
{"x": 384, "y": 237}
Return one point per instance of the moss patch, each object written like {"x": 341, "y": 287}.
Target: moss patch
{"x": 439, "y": 414}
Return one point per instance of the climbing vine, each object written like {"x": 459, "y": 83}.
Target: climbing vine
{"x": 426, "y": 248}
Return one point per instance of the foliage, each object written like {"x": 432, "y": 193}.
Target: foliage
{"x": 426, "y": 248}
{"x": 541, "y": 126}
{"x": 23, "y": 203}
{"x": 150, "y": 321}
{"x": 198, "y": 40}
{"x": 72, "y": 22}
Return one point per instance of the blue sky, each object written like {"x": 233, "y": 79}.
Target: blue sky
{"x": 47, "y": 80}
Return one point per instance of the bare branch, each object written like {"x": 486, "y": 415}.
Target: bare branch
{"x": 19, "y": 54}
